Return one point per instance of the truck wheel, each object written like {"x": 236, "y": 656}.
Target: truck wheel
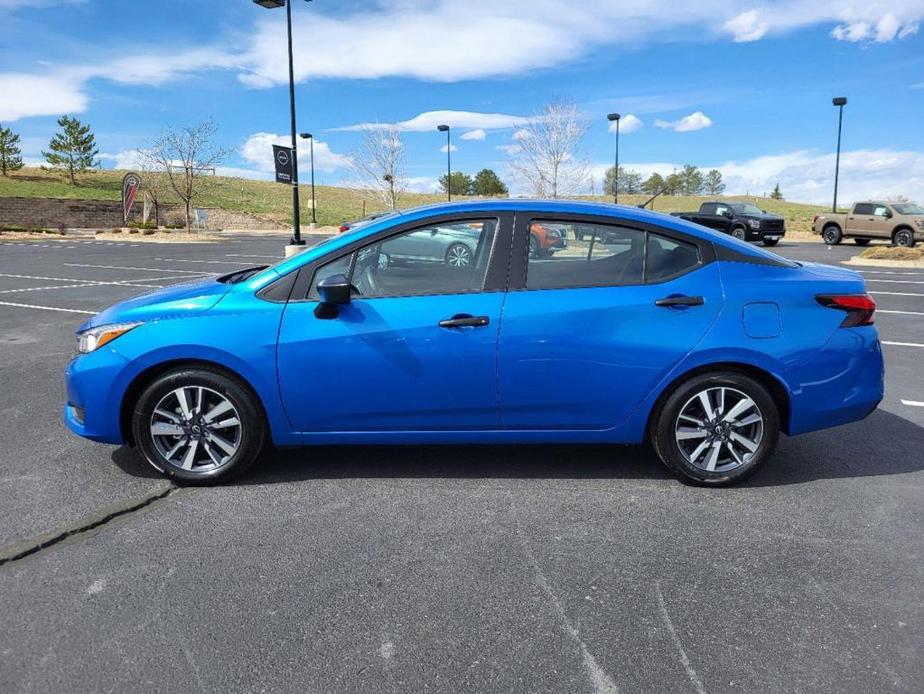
{"x": 832, "y": 235}
{"x": 904, "y": 238}
{"x": 770, "y": 242}
{"x": 738, "y": 233}
{"x": 861, "y": 242}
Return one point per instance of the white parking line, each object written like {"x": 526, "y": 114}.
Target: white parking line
{"x": 48, "y": 308}
{"x": 207, "y": 262}
{"x": 892, "y": 272}
{"x": 252, "y": 255}
{"x": 39, "y": 289}
{"x": 873, "y": 279}
{"x": 903, "y": 344}
{"x": 912, "y": 403}
{"x": 904, "y": 313}
{"x": 77, "y": 279}
{"x": 128, "y": 267}
{"x": 897, "y": 293}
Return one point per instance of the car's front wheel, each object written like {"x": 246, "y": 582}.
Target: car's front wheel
{"x": 739, "y": 233}
{"x": 198, "y": 426}
{"x": 458, "y": 255}
{"x": 716, "y": 428}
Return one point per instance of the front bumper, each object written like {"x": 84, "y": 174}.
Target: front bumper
{"x": 761, "y": 234}
{"x": 94, "y": 384}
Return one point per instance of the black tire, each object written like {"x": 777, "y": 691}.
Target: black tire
{"x": 904, "y": 238}
{"x": 832, "y": 235}
{"x": 739, "y": 233}
{"x": 861, "y": 242}
{"x": 770, "y": 242}
{"x": 250, "y": 434}
{"x": 664, "y": 434}
{"x": 533, "y": 246}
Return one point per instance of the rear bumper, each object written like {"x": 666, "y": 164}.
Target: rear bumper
{"x": 843, "y": 383}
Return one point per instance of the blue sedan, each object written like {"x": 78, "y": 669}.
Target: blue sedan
{"x": 645, "y": 327}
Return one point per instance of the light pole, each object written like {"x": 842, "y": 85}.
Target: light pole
{"x": 296, "y": 212}
{"x": 838, "y": 101}
{"x": 445, "y": 129}
{"x": 314, "y": 216}
{"x": 615, "y": 117}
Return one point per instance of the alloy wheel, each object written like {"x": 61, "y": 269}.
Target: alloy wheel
{"x": 719, "y": 429}
{"x": 195, "y": 428}
{"x": 458, "y": 256}
{"x": 738, "y": 234}
{"x": 903, "y": 238}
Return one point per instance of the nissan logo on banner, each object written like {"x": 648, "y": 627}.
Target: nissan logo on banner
{"x": 131, "y": 182}
{"x": 283, "y": 157}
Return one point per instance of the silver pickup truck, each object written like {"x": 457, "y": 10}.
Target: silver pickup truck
{"x": 900, "y": 222}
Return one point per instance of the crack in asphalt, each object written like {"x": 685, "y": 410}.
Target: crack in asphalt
{"x": 19, "y": 551}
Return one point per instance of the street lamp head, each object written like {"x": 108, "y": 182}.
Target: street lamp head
{"x": 443, "y": 128}
{"x": 613, "y": 116}
{"x": 270, "y": 4}
{"x": 306, "y": 136}
{"x": 839, "y": 100}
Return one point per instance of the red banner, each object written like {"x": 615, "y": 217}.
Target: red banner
{"x": 131, "y": 182}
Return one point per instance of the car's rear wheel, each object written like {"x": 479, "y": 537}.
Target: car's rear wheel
{"x": 716, "y": 428}
{"x": 739, "y": 233}
{"x": 832, "y": 235}
{"x": 904, "y": 238}
{"x": 198, "y": 426}
{"x": 458, "y": 255}
{"x": 861, "y": 242}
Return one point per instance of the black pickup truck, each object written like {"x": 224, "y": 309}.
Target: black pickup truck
{"x": 740, "y": 219}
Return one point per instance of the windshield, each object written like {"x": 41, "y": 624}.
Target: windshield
{"x": 908, "y": 208}
{"x": 746, "y": 208}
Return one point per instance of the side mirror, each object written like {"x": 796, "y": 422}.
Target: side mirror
{"x": 888, "y": 214}
{"x": 334, "y": 292}
{"x": 727, "y": 213}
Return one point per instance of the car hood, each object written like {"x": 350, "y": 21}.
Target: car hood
{"x": 176, "y": 300}
{"x": 763, "y": 215}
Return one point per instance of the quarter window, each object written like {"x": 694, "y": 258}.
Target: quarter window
{"x": 666, "y": 258}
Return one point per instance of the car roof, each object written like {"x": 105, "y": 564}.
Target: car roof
{"x": 539, "y": 206}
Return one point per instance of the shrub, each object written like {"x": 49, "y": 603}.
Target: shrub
{"x": 115, "y": 230}
{"x": 892, "y": 253}
{"x": 142, "y": 225}
{"x": 148, "y": 232}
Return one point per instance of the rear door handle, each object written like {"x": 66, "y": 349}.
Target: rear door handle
{"x": 465, "y": 320}
{"x": 680, "y": 301}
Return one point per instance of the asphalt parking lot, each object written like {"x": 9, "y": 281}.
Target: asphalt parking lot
{"x": 488, "y": 569}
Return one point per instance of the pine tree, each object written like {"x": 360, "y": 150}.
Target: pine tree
{"x": 776, "y": 194}
{"x": 487, "y": 183}
{"x": 714, "y": 183}
{"x": 10, "y": 154}
{"x": 73, "y": 149}
{"x": 461, "y": 183}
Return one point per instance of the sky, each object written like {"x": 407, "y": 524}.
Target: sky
{"x": 744, "y": 87}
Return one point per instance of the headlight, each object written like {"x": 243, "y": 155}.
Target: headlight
{"x": 94, "y": 338}
{"x": 754, "y": 223}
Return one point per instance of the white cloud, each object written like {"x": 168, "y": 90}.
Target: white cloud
{"x": 258, "y": 151}
{"x": 508, "y": 149}
{"x": 627, "y": 124}
{"x": 27, "y": 95}
{"x": 423, "y": 184}
{"x": 808, "y": 176}
{"x": 687, "y": 124}
{"x": 428, "y": 120}
{"x": 747, "y": 26}
{"x": 478, "y": 134}
{"x": 124, "y": 159}
{"x": 452, "y": 148}
{"x": 868, "y": 24}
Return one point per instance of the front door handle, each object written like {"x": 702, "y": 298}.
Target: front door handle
{"x": 465, "y": 320}
{"x": 680, "y": 301}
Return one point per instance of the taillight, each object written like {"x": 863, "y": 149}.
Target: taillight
{"x": 343, "y": 228}
{"x": 815, "y": 218}
{"x": 858, "y": 307}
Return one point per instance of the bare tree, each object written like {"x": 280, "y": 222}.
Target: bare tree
{"x": 185, "y": 156}
{"x": 155, "y": 185}
{"x": 378, "y": 167}
{"x": 547, "y": 155}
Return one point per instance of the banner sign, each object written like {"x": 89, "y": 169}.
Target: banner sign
{"x": 283, "y": 157}
{"x": 131, "y": 182}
